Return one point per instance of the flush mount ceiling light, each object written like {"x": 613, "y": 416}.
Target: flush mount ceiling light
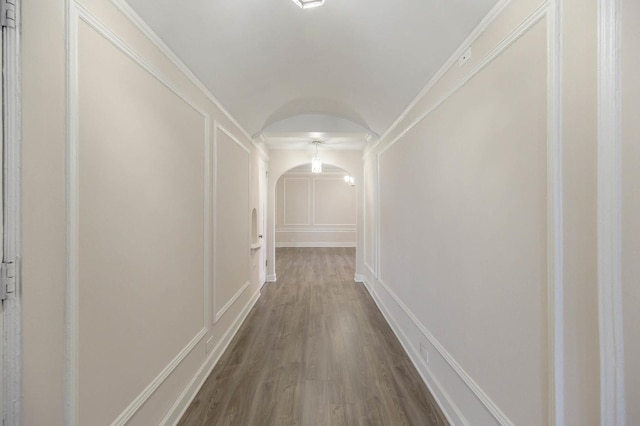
{"x": 316, "y": 164}
{"x": 308, "y": 4}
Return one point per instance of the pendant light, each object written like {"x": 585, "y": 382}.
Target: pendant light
{"x": 316, "y": 164}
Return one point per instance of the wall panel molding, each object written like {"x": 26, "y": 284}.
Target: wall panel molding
{"x": 536, "y": 16}
{"x": 74, "y": 14}
{"x": 231, "y": 301}
{"x": 191, "y": 390}
{"x": 477, "y": 32}
{"x": 142, "y": 26}
{"x": 612, "y": 387}
{"x": 555, "y": 256}
{"x": 315, "y": 244}
{"x": 216, "y": 312}
{"x": 323, "y": 230}
{"x": 365, "y": 224}
{"x": 309, "y": 200}
{"x": 551, "y": 11}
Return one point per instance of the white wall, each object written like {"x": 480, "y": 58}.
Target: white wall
{"x": 315, "y": 211}
{"x": 153, "y": 230}
{"x": 463, "y": 243}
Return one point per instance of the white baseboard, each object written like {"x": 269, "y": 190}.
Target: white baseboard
{"x": 359, "y": 278}
{"x": 456, "y": 393}
{"x": 190, "y": 391}
{"x": 271, "y": 278}
{"x": 314, "y": 244}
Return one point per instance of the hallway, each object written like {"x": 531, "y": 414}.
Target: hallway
{"x": 314, "y": 350}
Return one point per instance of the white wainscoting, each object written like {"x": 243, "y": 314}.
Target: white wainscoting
{"x": 75, "y": 14}
{"x": 454, "y": 389}
{"x": 218, "y": 311}
{"x": 191, "y": 390}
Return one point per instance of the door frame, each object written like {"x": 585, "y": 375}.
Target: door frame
{"x": 11, "y": 217}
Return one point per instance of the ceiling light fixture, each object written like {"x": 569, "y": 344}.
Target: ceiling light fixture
{"x": 308, "y": 4}
{"x": 349, "y": 180}
{"x": 316, "y": 164}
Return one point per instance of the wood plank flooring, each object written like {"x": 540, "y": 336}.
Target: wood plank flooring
{"x": 315, "y": 350}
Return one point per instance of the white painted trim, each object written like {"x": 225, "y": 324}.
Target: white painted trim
{"x": 207, "y": 221}
{"x": 314, "y": 244}
{"x": 179, "y": 407}
{"x": 11, "y": 352}
{"x": 371, "y": 270}
{"x": 378, "y": 225}
{"x": 231, "y": 136}
{"x": 71, "y": 189}
{"x": 218, "y": 313}
{"x": 231, "y": 301}
{"x": 536, "y": 16}
{"x": 214, "y": 224}
{"x": 555, "y": 255}
{"x": 365, "y": 184}
{"x": 477, "y": 32}
{"x": 555, "y": 308}
{"x": 309, "y": 174}
{"x": 450, "y": 409}
{"x": 321, "y": 230}
{"x": 314, "y": 180}
{"x": 491, "y": 406}
{"x": 75, "y": 13}
{"x": 271, "y": 278}
{"x": 359, "y": 278}
{"x": 135, "y": 405}
{"x": 284, "y": 200}
{"x": 612, "y": 390}
{"x": 137, "y": 21}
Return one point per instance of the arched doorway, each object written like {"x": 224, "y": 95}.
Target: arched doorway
{"x": 338, "y": 164}
{"x": 315, "y": 209}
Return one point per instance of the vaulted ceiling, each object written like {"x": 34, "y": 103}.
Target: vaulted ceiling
{"x": 349, "y": 61}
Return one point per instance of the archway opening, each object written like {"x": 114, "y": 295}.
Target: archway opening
{"x": 315, "y": 209}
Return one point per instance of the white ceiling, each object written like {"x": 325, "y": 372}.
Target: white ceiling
{"x": 357, "y": 60}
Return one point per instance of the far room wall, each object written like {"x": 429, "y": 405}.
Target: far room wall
{"x": 315, "y": 210}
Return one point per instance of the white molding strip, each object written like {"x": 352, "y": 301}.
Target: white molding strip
{"x": 135, "y": 405}
{"x": 272, "y": 278}
{"x": 214, "y": 223}
{"x": 143, "y": 27}
{"x": 371, "y": 270}
{"x": 612, "y": 391}
{"x": 75, "y": 13}
{"x": 555, "y": 255}
{"x": 284, "y": 200}
{"x": 478, "y": 30}
{"x": 307, "y": 230}
{"x": 314, "y": 244}
{"x": 231, "y": 301}
{"x": 374, "y": 237}
{"x": 179, "y": 407}
{"x": 217, "y": 314}
{"x": 536, "y": 16}
{"x": 435, "y": 388}
{"x": 231, "y": 136}
{"x": 555, "y": 308}
{"x": 475, "y": 388}
{"x": 72, "y": 213}
{"x": 377, "y": 222}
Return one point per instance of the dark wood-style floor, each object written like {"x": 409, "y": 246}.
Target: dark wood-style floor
{"x": 315, "y": 350}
